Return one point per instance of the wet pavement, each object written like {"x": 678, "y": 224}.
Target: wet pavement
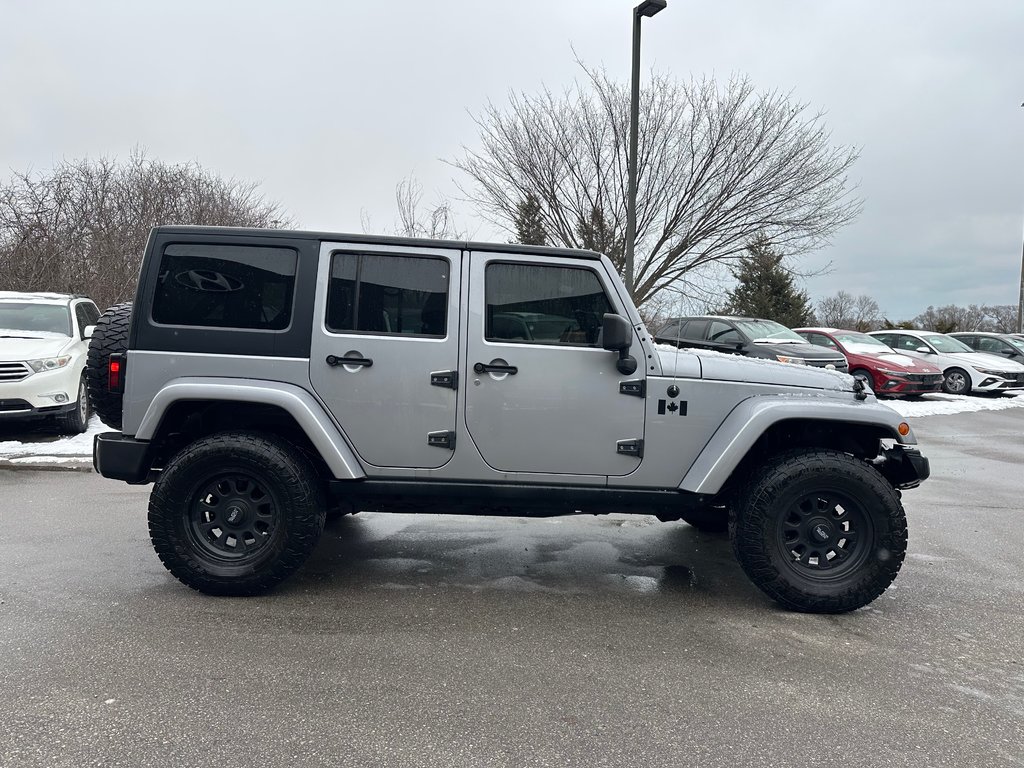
{"x": 438, "y": 640}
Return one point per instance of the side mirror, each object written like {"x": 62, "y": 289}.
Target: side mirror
{"x": 923, "y": 350}
{"x": 617, "y": 336}
{"x": 88, "y": 331}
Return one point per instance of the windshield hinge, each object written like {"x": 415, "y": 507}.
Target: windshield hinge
{"x": 635, "y": 387}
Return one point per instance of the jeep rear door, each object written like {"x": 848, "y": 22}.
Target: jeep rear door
{"x": 384, "y": 351}
{"x": 541, "y": 394}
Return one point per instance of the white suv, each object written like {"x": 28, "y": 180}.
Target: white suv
{"x": 44, "y": 339}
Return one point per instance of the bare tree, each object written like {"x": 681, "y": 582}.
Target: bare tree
{"x": 437, "y": 222}
{"x": 717, "y": 165}
{"x": 951, "y": 318}
{"x": 1003, "y": 318}
{"x": 854, "y": 313}
{"x": 82, "y": 227}
{"x": 836, "y": 311}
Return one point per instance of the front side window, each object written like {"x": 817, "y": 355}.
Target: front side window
{"x": 225, "y": 286}
{"x": 533, "y": 304}
{"x": 388, "y": 295}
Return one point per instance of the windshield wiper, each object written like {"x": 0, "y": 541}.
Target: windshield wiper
{"x": 5, "y": 336}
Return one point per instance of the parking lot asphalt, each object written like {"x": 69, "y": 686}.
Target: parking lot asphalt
{"x": 436, "y": 640}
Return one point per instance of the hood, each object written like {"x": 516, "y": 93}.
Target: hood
{"x": 691, "y": 363}
{"x": 805, "y": 350}
{"x": 902, "y": 362}
{"x": 32, "y": 349}
{"x": 994, "y": 362}
{"x": 982, "y": 360}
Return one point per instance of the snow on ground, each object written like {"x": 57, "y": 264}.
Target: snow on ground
{"x": 944, "y": 405}
{"x": 42, "y": 450}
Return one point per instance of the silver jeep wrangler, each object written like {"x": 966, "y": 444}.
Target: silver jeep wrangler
{"x": 263, "y": 377}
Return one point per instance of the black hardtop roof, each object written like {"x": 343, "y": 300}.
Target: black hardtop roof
{"x": 469, "y": 245}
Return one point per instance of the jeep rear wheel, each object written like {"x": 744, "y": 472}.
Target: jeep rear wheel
{"x": 236, "y": 513}
{"x": 819, "y": 531}
{"x": 109, "y": 337}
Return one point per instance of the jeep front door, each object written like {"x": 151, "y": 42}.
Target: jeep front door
{"x": 384, "y": 352}
{"x": 542, "y": 396}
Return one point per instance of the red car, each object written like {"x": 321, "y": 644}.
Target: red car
{"x": 888, "y": 372}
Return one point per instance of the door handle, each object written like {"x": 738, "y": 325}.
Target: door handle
{"x": 488, "y": 368}
{"x": 334, "y": 360}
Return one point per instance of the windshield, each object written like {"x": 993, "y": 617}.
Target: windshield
{"x": 861, "y": 343}
{"x": 1018, "y": 343}
{"x": 947, "y": 343}
{"x": 33, "y": 319}
{"x": 769, "y": 330}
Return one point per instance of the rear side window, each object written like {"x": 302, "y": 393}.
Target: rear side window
{"x": 225, "y": 286}
{"x": 388, "y": 295}
{"x": 532, "y": 304}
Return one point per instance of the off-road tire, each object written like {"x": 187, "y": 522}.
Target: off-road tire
{"x": 76, "y": 421}
{"x": 108, "y": 338}
{"x": 956, "y": 381}
{"x": 778, "y": 514}
{"x": 258, "y": 489}
{"x": 709, "y": 519}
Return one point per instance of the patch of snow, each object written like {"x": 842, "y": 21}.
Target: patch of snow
{"x": 74, "y": 445}
{"x": 46, "y": 459}
{"x": 945, "y": 405}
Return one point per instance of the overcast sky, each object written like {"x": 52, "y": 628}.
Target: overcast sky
{"x": 330, "y": 104}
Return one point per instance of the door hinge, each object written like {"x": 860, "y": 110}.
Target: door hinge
{"x": 447, "y": 379}
{"x": 441, "y": 440}
{"x": 633, "y": 447}
{"x": 635, "y": 387}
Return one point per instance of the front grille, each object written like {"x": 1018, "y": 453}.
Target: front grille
{"x": 839, "y": 363}
{"x": 14, "y": 371}
{"x": 924, "y": 378}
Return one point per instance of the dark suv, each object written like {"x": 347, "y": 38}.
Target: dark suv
{"x": 748, "y": 336}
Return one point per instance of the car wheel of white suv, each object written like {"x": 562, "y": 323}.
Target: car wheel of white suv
{"x": 75, "y": 421}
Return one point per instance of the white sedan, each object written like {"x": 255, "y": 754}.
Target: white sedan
{"x": 964, "y": 370}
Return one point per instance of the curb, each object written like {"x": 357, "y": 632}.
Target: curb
{"x": 67, "y": 464}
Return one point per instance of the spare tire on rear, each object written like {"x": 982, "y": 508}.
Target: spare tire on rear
{"x": 110, "y": 337}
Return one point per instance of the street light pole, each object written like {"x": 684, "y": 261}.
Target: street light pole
{"x": 647, "y": 8}
{"x": 1020, "y": 298}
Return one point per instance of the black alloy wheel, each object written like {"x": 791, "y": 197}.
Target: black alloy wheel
{"x": 821, "y": 536}
{"x": 234, "y": 517}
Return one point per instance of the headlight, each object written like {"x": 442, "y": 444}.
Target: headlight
{"x": 892, "y": 373}
{"x": 787, "y": 359}
{"x": 989, "y": 371}
{"x": 49, "y": 363}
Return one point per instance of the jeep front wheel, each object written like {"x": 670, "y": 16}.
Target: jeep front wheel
{"x": 819, "y": 531}
{"x": 236, "y": 513}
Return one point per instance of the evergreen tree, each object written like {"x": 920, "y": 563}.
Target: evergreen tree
{"x": 529, "y": 222}
{"x": 596, "y": 234}
{"x": 765, "y": 288}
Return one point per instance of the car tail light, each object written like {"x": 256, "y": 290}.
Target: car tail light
{"x": 115, "y": 373}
